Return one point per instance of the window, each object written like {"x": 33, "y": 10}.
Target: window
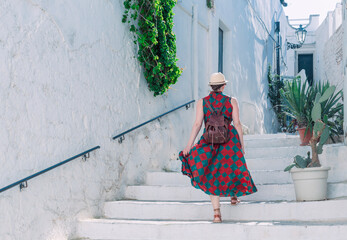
{"x": 305, "y": 61}
{"x": 220, "y": 50}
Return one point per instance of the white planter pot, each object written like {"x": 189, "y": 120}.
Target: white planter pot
{"x": 310, "y": 183}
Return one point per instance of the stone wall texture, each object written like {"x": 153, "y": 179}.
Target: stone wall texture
{"x": 69, "y": 82}
{"x": 333, "y": 58}
{"x": 329, "y": 51}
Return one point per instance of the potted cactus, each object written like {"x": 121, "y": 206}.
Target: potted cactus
{"x": 309, "y": 177}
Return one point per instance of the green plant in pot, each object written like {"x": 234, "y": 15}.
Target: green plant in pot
{"x": 310, "y": 179}
{"x": 333, "y": 109}
{"x": 297, "y": 102}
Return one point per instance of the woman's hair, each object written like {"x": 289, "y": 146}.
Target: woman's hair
{"x": 217, "y": 87}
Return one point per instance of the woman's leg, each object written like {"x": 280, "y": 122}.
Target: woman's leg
{"x": 216, "y": 208}
{"x": 215, "y": 201}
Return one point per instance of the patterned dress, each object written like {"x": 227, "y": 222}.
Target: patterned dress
{"x": 219, "y": 169}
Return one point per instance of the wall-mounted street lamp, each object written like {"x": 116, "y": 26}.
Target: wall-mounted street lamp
{"x": 300, "y": 34}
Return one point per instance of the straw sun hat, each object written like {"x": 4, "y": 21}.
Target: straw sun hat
{"x": 217, "y": 79}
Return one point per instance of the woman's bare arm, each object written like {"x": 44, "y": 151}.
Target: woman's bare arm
{"x": 237, "y": 123}
{"x": 196, "y": 127}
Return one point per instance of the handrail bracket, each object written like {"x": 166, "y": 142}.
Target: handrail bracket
{"x": 85, "y": 156}
{"x": 121, "y": 139}
{"x": 23, "y": 185}
{"x": 121, "y": 135}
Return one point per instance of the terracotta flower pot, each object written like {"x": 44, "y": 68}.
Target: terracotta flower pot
{"x": 305, "y": 140}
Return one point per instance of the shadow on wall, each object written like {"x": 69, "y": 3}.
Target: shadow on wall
{"x": 248, "y": 116}
{"x": 252, "y": 50}
{"x": 249, "y": 56}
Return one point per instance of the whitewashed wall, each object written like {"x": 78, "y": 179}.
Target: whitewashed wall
{"x": 324, "y": 41}
{"x": 248, "y": 50}
{"x": 329, "y": 48}
{"x": 69, "y": 82}
{"x": 344, "y": 22}
{"x": 333, "y": 56}
{"x": 309, "y": 46}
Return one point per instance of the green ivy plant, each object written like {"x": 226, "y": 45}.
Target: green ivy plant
{"x": 152, "y": 23}
{"x": 210, "y": 4}
{"x": 275, "y": 84}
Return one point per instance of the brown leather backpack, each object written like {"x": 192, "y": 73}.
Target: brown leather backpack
{"x": 217, "y": 127}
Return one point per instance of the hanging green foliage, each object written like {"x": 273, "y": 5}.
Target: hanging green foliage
{"x": 210, "y": 4}
{"x": 275, "y": 85}
{"x": 152, "y": 23}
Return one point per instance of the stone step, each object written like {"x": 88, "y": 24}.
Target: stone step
{"x": 268, "y": 163}
{"x": 189, "y": 193}
{"x": 272, "y": 142}
{"x": 266, "y": 192}
{"x": 177, "y": 178}
{"x": 277, "y": 152}
{"x": 269, "y": 136}
{"x": 112, "y": 229}
{"x": 331, "y": 210}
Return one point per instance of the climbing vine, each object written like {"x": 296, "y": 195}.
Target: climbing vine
{"x": 210, "y": 4}
{"x": 151, "y": 21}
{"x": 275, "y": 84}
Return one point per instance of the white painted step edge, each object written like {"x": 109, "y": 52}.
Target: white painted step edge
{"x": 269, "y": 136}
{"x": 139, "y": 229}
{"x": 266, "y": 192}
{"x": 331, "y": 210}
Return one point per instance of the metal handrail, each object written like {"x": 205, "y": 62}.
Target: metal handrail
{"x": 23, "y": 183}
{"x": 121, "y": 135}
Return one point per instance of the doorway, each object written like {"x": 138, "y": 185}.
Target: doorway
{"x": 305, "y": 61}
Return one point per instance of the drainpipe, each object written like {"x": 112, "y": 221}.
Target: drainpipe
{"x": 195, "y": 52}
{"x": 344, "y": 9}
{"x": 278, "y": 66}
{"x": 277, "y": 30}
{"x": 209, "y": 62}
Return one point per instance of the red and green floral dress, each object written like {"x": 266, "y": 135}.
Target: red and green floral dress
{"x": 219, "y": 169}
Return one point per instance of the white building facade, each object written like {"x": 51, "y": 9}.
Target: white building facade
{"x": 70, "y": 82}
{"x": 247, "y": 30}
{"x": 321, "y": 53}
{"x": 344, "y": 19}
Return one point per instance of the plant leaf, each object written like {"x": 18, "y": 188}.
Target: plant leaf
{"x": 318, "y": 96}
{"x": 327, "y": 94}
{"x": 320, "y": 148}
{"x": 325, "y": 135}
{"x": 300, "y": 161}
{"x": 289, "y": 167}
{"x": 318, "y": 126}
{"x": 316, "y": 112}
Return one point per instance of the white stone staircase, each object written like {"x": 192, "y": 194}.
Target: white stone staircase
{"x": 168, "y": 207}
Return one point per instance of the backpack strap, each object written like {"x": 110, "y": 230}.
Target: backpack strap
{"x": 209, "y": 106}
{"x": 220, "y": 109}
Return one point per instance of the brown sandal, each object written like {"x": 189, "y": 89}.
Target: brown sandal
{"x": 234, "y": 200}
{"x": 217, "y": 217}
